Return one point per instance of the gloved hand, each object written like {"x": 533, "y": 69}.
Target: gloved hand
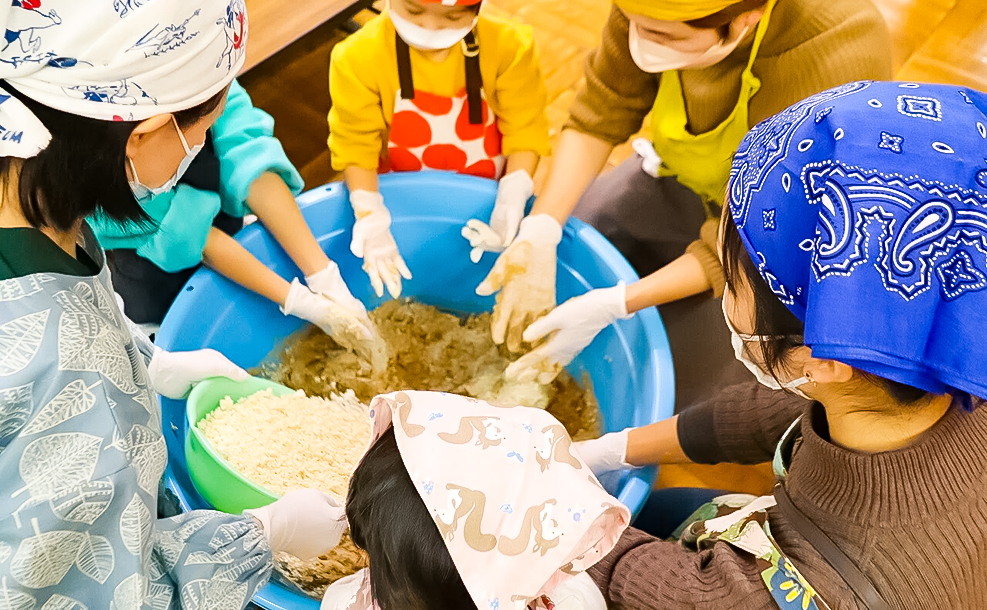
{"x": 373, "y": 242}
{"x": 305, "y": 523}
{"x": 513, "y": 193}
{"x": 329, "y": 283}
{"x": 352, "y": 330}
{"x": 524, "y": 275}
{"x": 173, "y": 374}
{"x": 605, "y": 454}
{"x": 575, "y": 324}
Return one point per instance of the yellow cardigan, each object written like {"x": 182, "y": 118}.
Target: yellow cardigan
{"x": 363, "y": 84}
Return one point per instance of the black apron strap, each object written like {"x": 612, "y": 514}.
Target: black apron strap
{"x": 861, "y": 586}
{"x": 474, "y": 82}
{"x": 404, "y": 68}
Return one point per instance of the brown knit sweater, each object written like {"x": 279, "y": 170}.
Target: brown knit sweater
{"x": 913, "y": 520}
{"x": 810, "y": 46}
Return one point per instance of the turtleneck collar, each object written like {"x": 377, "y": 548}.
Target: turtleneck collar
{"x": 942, "y": 466}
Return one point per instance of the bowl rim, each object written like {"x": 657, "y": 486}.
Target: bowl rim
{"x": 195, "y": 396}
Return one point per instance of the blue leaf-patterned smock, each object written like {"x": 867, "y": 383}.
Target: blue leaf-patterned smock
{"x": 81, "y": 455}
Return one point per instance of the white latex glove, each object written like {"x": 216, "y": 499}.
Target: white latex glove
{"x": 650, "y": 161}
{"x": 524, "y": 275}
{"x": 605, "y": 454}
{"x": 352, "y": 330}
{"x": 575, "y": 324}
{"x": 373, "y": 242}
{"x": 513, "y": 193}
{"x": 173, "y": 374}
{"x": 329, "y": 283}
{"x": 578, "y": 593}
{"x": 305, "y": 523}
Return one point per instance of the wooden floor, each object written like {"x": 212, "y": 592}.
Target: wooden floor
{"x": 934, "y": 41}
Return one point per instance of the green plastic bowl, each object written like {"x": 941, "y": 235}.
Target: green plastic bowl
{"x": 215, "y": 478}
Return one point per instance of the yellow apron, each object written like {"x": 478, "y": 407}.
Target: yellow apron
{"x": 702, "y": 162}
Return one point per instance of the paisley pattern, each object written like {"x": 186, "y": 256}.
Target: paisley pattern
{"x": 877, "y": 208}
{"x": 81, "y": 454}
{"x": 767, "y": 145}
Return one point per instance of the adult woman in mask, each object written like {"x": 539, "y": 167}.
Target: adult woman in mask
{"x": 81, "y": 447}
{"x": 854, "y": 255}
{"x": 705, "y": 71}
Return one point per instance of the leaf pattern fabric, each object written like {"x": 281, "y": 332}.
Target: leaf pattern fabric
{"x": 81, "y": 455}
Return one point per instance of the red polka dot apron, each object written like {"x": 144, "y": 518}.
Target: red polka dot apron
{"x": 431, "y": 131}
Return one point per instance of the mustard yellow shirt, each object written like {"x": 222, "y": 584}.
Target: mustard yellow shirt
{"x": 363, "y": 83}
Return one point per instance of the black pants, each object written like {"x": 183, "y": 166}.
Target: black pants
{"x": 146, "y": 289}
{"x": 651, "y": 221}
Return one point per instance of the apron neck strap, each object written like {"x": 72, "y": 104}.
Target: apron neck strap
{"x": 762, "y": 31}
{"x": 783, "y": 452}
{"x": 474, "y": 81}
{"x": 404, "y": 68}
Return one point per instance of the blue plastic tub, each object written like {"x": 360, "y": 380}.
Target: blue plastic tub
{"x": 630, "y": 364}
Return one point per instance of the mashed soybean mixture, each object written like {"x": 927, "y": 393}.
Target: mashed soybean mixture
{"x": 433, "y": 350}
{"x": 429, "y": 350}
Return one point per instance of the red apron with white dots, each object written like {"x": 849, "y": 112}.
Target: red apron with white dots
{"x": 434, "y": 132}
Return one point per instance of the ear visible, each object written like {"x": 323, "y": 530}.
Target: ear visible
{"x": 828, "y": 371}
{"x": 750, "y": 18}
{"x": 144, "y": 129}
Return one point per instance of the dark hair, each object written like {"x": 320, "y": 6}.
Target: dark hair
{"x": 82, "y": 171}
{"x": 410, "y": 567}
{"x": 773, "y": 319}
{"x": 721, "y": 20}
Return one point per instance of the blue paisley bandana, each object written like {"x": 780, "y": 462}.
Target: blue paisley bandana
{"x": 865, "y": 210}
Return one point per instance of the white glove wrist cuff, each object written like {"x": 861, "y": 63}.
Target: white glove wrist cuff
{"x": 521, "y": 180}
{"x": 366, "y": 202}
{"x": 540, "y": 229}
{"x": 622, "y": 437}
{"x": 619, "y": 308}
{"x": 294, "y": 293}
{"x": 331, "y": 271}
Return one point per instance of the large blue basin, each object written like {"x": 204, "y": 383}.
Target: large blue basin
{"x": 630, "y": 364}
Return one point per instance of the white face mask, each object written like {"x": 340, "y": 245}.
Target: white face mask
{"x": 653, "y": 57}
{"x": 145, "y": 193}
{"x": 763, "y": 378}
{"x": 425, "y": 39}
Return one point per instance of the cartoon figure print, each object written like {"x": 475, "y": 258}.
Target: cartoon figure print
{"x": 159, "y": 40}
{"x": 23, "y": 27}
{"x": 468, "y": 503}
{"x": 555, "y": 445}
{"x": 489, "y": 433}
{"x": 122, "y": 7}
{"x": 402, "y": 404}
{"x": 539, "y": 524}
{"x": 236, "y": 33}
{"x": 123, "y": 93}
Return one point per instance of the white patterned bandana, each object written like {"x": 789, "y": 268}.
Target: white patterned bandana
{"x": 114, "y": 60}
{"x": 519, "y": 511}
{"x": 865, "y": 210}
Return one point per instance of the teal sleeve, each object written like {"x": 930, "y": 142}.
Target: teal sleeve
{"x": 246, "y": 147}
{"x": 182, "y": 232}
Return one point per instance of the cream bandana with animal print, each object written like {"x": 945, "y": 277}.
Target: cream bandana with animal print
{"x": 518, "y": 509}
{"x": 123, "y": 60}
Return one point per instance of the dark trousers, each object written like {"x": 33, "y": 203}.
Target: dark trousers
{"x": 651, "y": 221}
{"x": 146, "y": 289}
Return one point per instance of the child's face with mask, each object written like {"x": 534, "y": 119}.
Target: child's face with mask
{"x": 430, "y": 25}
